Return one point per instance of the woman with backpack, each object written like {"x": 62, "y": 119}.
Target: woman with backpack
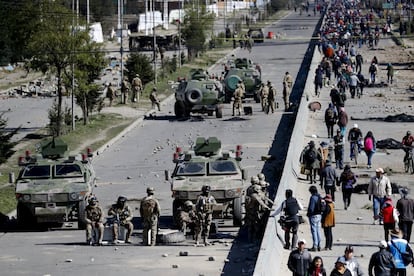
{"x": 328, "y": 221}
{"x": 347, "y": 180}
{"x": 369, "y": 147}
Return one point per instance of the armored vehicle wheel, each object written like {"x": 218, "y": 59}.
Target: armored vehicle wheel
{"x": 238, "y": 211}
{"x": 219, "y": 112}
{"x": 81, "y": 215}
{"x": 177, "y": 204}
{"x": 179, "y": 109}
{"x": 232, "y": 82}
{"x": 24, "y": 216}
{"x": 210, "y": 113}
{"x": 194, "y": 96}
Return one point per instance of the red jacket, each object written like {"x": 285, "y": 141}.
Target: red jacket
{"x": 387, "y": 212}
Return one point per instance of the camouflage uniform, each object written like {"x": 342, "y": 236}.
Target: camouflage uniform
{"x": 125, "y": 90}
{"x": 255, "y": 210}
{"x": 110, "y": 93}
{"x": 150, "y": 212}
{"x": 287, "y": 86}
{"x": 154, "y": 99}
{"x": 94, "y": 219}
{"x": 136, "y": 88}
{"x": 238, "y": 95}
{"x": 122, "y": 215}
{"x": 264, "y": 94}
{"x": 204, "y": 209}
{"x": 272, "y": 96}
{"x": 187, "y": 217}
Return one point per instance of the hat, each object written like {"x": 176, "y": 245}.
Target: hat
{"x": 355, "y": 125}
{"x": 395, "y": 233}
{"x": 349, "y": 248}
{"x": 341, "y": 260}
{"x": 404, "y": 191}
{"x": 328, "y": 198}
{"x": 379, "y": 170}
{"x": 302, "y": 241}
{"x": 311, "y": 143}
{"x": 382, "y": 244}
{"x": 347, "y": 167}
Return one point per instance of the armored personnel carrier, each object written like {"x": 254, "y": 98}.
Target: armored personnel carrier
{"x": 244, "y": 70}
{"x": 207, "y": 164}
{"x": 52, "y": 187}
{"x": 199, "y": 94}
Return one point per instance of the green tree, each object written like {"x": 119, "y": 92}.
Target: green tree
{"x": 194, "y": 30}
{"x": 141, "y": 64}
{"x": 6, "y": 146}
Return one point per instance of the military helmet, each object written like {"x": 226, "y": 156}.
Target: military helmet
{"x": 150, "y": 190}
{"x": 257, "y": 188}
{"x": 122, "y": 199}
{"x": 254, "y": 180}
{"x": 408, "y": 133}
{"x": 188, "y": 203}
{"x": 93, "y": 200}
{"x": 136, "y": 75}
{"x": 261, "y": 176}
{"x": 206, "y": 188}
{"x": 263, "y": 183}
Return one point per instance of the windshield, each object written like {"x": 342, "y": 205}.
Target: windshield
{"x": 36, "y": 171}
{"x": 222, "y": 167}
{"x": 68, "y": 170}
{"x": 193, "y": 168}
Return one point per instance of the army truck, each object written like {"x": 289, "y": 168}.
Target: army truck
{"x": 207, "y": 164}
{"x": 199, "y": 94}
{"x": 246, "y": 71}
{"x": 53, "y": 187}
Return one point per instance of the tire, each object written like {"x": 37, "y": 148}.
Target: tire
{"x": 194, "y": 96}
{"x": 179, "y": 110}
{"x": 25, "y": 217}
{"x": 81, "y": 214}
{"x": 219, "y": 112}
{"x": 170, "y": 238}
{"x": 355, "y": 149}
{"x": 411, "y": 163}
{"x": 239, "y": 211}
{"x": 232, "y": 81}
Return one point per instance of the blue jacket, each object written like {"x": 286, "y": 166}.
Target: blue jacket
{"x": 402, "y": 246}
{"x": 313, "y": 205}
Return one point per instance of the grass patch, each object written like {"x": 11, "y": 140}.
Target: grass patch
{"x": 7, "y": 199}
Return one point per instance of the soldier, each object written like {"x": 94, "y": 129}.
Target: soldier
{"x": 238, "y": 95}
{"x": 136, "y": 88}
{"x": 122, "y": 215}
{"x": 94, "y": 219}
{"x": 264, "y": 97}
{"x": 110, "y": 93}
{"x": 154, "y": 99}
{"x": 287, "y": 87}
{"x": 187, "y": 217}
{"x": 125, "y": 90}
{"x": 272, "y": 96}
{"x": 150, "y": 212}
{"x": 204, "y": 209}
{"x": 255, "y": 208}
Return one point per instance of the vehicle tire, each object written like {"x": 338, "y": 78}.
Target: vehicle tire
{"x": 169, "y": 238}
{"x": 411, "y": 166}
{"x": 81, "y": 214}
{"x": 239, "y": 211}
{"x": 179, "y": 110}
{"x": 356, "y": 153}
{"x": 407, "y": 165}
{"x": 232, "y": 81}
{"x": 219, "y": 112}
{"x": 194, "y": 96}
{"x": 177, "y": 204}
{"x": 25, "y": 217}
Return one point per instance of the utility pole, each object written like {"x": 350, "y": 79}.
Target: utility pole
{"x": 73, "y": 68}
{"x": 121, "y": 50}
{"x": 154, "y": 42}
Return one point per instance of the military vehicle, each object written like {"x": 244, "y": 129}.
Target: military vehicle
{"x": 207, "y": 164}
{"x": 199, "y": 94}
{"x": 246, "y": 71}
{"x": 52, "y": 187}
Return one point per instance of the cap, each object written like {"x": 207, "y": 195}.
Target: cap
{"x": 150, "y": 190}
{"x": 355, "y": 125}
{"x": 311, "y": 143}
{"x": 302, "y": 241}
{"x": 328, "y": 198}
{"x": 349, "y": 248}
{"x": 382, "y": 244}
{"x": 341, "y": 260}
{"x": 379, "y": 170}
{"x": 395, "y": 233}
{"x": 347, "y": 167}
{"x": 404, "y": 191}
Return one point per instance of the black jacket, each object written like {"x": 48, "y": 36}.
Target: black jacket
{"x": 382, "y": 262}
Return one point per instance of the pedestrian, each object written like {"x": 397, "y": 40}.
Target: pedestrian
{"x": 347, "y": 180}
{"x": 340, "y": 268}
{"x": 314, "y": 214}
{"x": 359, "y": 60}
{"x": 382, "y": 262}
{"x": 378, "y": 188}
{"x": 336, "y": 98}
{"x": 204, "y": 208}
{"x": 264, "y": 93}
{"x": 353, "y": 83}
{"x": 290, "y": 208}
{"x": 125, "y": 88}
{"x": 154, "y": 99}
{"x": 328, "y": 221}
{"x": 121, "y": 215}
{"x": 238, "y": 96}
{"x": 318, "y": 81}
{"x": 339, "y": 149}
{"x": 342, "y": 120}
{"x": 312, "y": 160}
{"x": 316, "y": 268}
{"x": 351, "y": 262}
{"x": 150, "y": 213}
{"x": 287, "y": 88}
{"x": 331, "y": 116}
{"x": 255, "y": 210}
{"x": 329, "y": 179}
{"x": 94, "y": 220}
{"x": 110, "y": 93}
{"x": 300, "y": 260}
{"x": 271, "y": 97}
{"x": 390, "y": 73}
{"x": 354, "y": 138}
{"x": 407, "y": 142}
{"x": 136, "y": 88}
{"x": 397, "y": 246}
{"x": 405, "y": 207}
{"x": 373, "y": 72}
{"x": 361, "y": 82}
{"x": 389, "y": 216}
{"x": 369, "y": 147}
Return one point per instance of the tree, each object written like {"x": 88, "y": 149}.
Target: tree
{"x": 6, "y": 146}
{"x": 139, "y": 64}
{"x": 196, "y": 24}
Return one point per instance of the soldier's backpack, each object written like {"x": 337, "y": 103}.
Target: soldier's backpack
{"x": 291, "y": 207}
{"x": 148, "y": 207}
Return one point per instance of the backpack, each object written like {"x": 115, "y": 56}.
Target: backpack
{"x": 148, "y": 207}
{"x": 330, "y": 115}
{"x": 310, "y": 156}
{"x": 372, "y": 68}
{"x": 291, "y": 207}
{"x": 320, "y": 206}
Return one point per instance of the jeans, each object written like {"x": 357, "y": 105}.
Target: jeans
{"x": 315, "y": 226}
{"x": 369, "y": 155}
{"x": 339, "y": 157}
{"x": 377, "y": 203}
{"x": 346, "y": 196}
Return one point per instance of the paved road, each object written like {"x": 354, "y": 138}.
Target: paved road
{"x": 138, "y": 160}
